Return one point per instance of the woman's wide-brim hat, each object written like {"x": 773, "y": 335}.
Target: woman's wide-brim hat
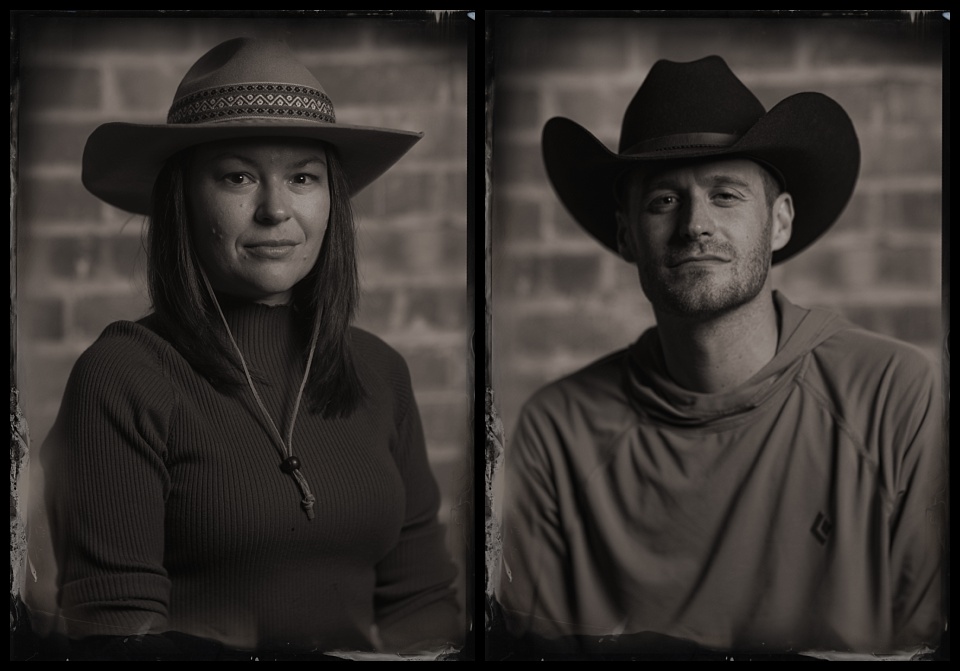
{"x": 242, "y": 88}
{"x": 699, "y": 110}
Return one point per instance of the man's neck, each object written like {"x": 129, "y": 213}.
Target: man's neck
{"x": 721, "y": 352}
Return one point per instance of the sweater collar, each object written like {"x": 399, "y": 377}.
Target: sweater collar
{"x": 654, "y": 393}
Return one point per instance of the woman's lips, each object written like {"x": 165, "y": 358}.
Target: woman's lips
{"x": 271, "y": 249}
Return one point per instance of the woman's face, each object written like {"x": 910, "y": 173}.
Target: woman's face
{"x": 258, "y": 212}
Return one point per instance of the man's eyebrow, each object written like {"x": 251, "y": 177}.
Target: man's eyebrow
{"x": 727, "y": 179}
{"x": 715, "y": 179}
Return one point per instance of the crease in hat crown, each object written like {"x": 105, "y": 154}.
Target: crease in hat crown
{"x": 246, "y": 78}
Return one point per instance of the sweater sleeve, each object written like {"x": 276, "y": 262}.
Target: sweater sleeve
{"x": 106, "y": 487}
{"x": 915, "y": 425}
{"x": 534, "y": 562}
{"x": 416, "y": 607}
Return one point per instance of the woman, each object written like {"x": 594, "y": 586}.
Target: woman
{"x": 242, "y": 470}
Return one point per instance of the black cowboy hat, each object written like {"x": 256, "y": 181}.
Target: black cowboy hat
{"x": 244, "y": 87}
{"x": 699, "y": 110}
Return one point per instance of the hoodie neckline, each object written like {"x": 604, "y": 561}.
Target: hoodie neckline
{"x": 656, "y": 395}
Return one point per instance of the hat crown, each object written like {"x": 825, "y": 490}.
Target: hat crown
{"x": 677, "y": 101}
{"x": 247, "y": 78}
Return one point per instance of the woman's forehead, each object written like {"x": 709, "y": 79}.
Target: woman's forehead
{"x": 273, "y": 149}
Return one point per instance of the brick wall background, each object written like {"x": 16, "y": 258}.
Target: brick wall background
{"x": 561, "y": 301}
{"x": 80, "y": 263}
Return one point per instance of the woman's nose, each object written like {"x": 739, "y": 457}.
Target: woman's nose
{"x": 272, "y": 207}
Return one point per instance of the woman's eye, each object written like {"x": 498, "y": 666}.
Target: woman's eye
{"x": 236, "y": 178}
{"x": 305, "y": 178}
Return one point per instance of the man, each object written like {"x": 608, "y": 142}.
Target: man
{"x": 749, "y": 475}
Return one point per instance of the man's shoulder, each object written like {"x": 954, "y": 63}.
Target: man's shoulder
{"x": 858, "y": 367}
{"x": 852, "y": 348}
{"x": 598, "y": 385}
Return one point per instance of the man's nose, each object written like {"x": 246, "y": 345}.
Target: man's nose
{"x": 696, "y": 219}
{"x": 273, "y": 206}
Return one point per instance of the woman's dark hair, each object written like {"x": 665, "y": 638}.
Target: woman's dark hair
{"x": 324, "y": 301}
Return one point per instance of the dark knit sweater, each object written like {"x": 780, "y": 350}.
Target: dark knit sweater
{"x": 170, "y": 513}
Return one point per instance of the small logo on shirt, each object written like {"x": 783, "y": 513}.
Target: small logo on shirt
{"x": 822, "y": 526}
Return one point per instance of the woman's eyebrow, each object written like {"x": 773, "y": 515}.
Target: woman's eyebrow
{"x": 251, "y": 161}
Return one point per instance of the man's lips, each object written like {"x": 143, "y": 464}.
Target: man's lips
{"x": 698, "y": 258}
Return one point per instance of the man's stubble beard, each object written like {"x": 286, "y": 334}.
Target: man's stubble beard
{"x": 706, "y": 292}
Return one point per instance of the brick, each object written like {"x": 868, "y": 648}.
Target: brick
{"x": 874, "y": 42}
{"x": 739, "y": 41}
{"x": 430, "y": 369}
{"x": 439, "y": 308}
{"x": 453, "y": 483}
{"x": 518, "y": 163}
{"x": 44, "y": 144}
{"x": 94, "y": 313}
{"x": 572, "y": 333}
{"x": 407, "y": 192}
{"x": 453, "y": 193}
{"x": 41, "y": 319}
{"x": 72, "y": 258}
{"x": 72, "y": 35}
{"x": 914, "y": 102}
{"x": 125, "y": 257}
{"x": 574, "y": 275}
{"x": 146, "y": 88}
{"x": 914, "y": 212}
{"x": 445, "y": 423}
{"x": 413, "y": 252}
{"x": 42, "y": 380}
{"x": 56, "y": 199}
{"x": 56, "y": 88}
{"x": 517, "y": 107}
{"x": 917, "y": 324}
{"x": 445, "y": 133}
{"x": 914, "y": 267}
{"x": 380, "y": 84}
{"x": 514, "y": 220}
{"x": 915, "y": 153}
{"x": 545, "y": 44}
{"x": 377, "y": 308}
{"x": 856, "y": 218}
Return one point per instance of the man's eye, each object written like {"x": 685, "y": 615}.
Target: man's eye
{"x": 663, "y": 203}
{"x": 726, "y": 197}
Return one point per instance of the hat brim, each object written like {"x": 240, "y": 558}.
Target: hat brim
{"x": 121, "y": 161}
{"x": 807, "y": 137}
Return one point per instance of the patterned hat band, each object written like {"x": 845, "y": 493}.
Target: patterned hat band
{"x": 254, "y": 100}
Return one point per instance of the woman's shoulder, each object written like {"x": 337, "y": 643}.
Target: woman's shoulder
{"x": 133, "y": 345}
{"x": 374, "y": 349}
{"x": 374, "y": 357}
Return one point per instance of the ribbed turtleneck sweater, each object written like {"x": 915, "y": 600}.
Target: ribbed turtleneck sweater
{"x": 170, "y": 512}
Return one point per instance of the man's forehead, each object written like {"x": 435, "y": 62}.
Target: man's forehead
{"x": 649, "y": 174}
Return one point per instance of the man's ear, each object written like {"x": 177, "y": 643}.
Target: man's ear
{"x": 782, "y": 228}
{"x": 624, "y": 247}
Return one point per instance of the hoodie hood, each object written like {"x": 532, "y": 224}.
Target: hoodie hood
{"x": 655, "y": 395}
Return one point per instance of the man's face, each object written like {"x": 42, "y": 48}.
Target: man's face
{"x": 702, "y": 234}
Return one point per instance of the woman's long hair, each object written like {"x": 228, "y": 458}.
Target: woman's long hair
{"x": 325, "y": 301}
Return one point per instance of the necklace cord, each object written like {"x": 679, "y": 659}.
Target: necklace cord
{"x": 286, "y": 447}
